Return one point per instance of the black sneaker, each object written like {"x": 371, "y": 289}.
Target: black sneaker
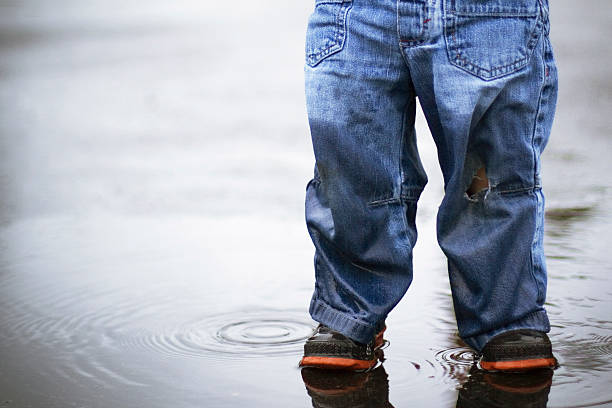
{"x": 518, "y": 350}
{"x": 329, "y": 349}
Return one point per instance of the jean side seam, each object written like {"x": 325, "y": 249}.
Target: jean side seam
{"x": 399, "y": 161}
{"x": 535, "y": 165}
{"x": 401, "y": 170}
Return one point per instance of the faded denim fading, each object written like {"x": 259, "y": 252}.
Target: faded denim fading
{"x": 485, "y": 76}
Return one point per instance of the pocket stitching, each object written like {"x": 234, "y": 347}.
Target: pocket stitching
{"x": 454, "y": 52}
{"x": 337, "y": 43}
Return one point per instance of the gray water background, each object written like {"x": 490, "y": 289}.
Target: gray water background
{"x": 153, "y": 160}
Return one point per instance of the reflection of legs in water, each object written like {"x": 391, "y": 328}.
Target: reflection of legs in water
{"x": 526, "y": 390}
{"x": 342, "y": 389}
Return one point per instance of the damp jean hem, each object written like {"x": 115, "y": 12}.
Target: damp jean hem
{"x": 535, "y": 321}
{"x": 342, "y": 323}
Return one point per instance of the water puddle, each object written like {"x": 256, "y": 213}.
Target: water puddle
{"x": 245, "y": 334}
{"x": 152, "y": 246}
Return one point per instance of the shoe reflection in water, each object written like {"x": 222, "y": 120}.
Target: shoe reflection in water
{"x": 520, "y": 390}
{"x": 347, "y": 389}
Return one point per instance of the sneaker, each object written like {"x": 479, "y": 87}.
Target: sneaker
{"x": 518, "y": 350}
{"x": 329, "y": 349}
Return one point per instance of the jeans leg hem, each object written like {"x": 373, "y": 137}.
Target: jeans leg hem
{"x": 339, "y": 321}
{"x": 534, "y": 321}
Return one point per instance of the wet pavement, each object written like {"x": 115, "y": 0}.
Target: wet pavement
{"x": 153, "y": 161}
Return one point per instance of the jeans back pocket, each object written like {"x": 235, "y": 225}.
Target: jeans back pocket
{"x": 327, "y": 28}
{"x": 491, "y": 38}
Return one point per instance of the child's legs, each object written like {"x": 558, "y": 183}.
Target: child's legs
{"x": 361, "y": 204}
{"x": 487, "y": 82}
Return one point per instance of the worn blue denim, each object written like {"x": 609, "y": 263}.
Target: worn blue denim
{"x": 484, "y": 74}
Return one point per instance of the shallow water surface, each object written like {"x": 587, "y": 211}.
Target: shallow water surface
{"x": 153, "y": 160}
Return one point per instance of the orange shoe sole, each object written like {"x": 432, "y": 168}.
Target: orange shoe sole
{"x": 334, "y": 363}
{"x": 518, "y": 365}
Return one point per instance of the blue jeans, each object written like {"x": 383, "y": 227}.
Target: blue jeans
{"x": 485, "y": 76}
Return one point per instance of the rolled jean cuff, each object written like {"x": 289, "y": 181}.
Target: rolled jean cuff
{"x": 342, "y": 323}
{"x": 535, "y": 321}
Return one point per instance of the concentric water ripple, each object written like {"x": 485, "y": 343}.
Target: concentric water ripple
{"x": 234, "y": 335}
{"x": 456, "y": 356}
{"x": 455, "y": 362}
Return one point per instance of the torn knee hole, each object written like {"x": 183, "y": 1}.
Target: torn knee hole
{"x": 480, "y": 182}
